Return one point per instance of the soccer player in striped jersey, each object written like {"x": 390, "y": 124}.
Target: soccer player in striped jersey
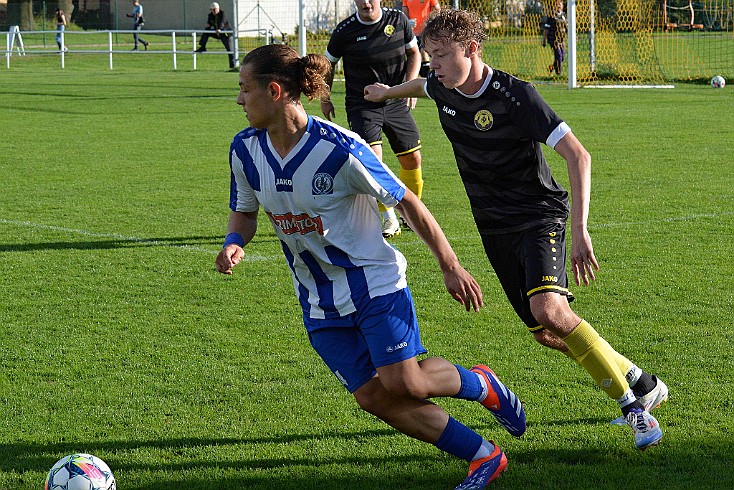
{"x": 319, "y": 185}
{"x": 377, "y": 45}
{"x": 496, "y": 124}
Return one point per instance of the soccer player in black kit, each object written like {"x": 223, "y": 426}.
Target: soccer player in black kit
{"x": 496, "y": 124}
{"x": 377, "y": 45}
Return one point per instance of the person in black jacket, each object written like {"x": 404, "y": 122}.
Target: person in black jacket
{"x": 217, "y": 22}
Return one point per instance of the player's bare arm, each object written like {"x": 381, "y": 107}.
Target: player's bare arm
{"x": 327, "y": 106}
{"x": 583, "y": 261}
{"x": 412, "y": 67}
{"x": 378, "y": 92}
{"x": 459, "y": 283}
{"x": 244, "y": 224}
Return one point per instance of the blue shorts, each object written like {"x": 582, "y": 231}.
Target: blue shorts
{"x": 383, "y": 332}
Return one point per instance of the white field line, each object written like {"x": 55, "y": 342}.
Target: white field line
{"x": 257, "y": 258}
{"x": 116, "y": 236}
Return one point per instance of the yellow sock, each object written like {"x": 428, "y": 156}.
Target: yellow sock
{"x": 623, "y": 363}
{"x": 381, "y": 207}
{"x": 598, "y": 358}
{"x": 413, "y": 180}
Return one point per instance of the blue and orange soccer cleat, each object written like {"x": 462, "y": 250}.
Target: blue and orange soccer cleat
{"x": 484, "y": 470}
{"x": 502, "y": 403}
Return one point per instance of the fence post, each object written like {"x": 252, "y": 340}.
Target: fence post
{"x": 173, "y": 41}
{"x": 193, "y": 44}
{"x": 63, "y": 51}
{"x": 7, "y": 50}
{"x": 109, "y": 46}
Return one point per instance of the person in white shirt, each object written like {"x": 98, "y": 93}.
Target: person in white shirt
{"x": 319, "y": 185}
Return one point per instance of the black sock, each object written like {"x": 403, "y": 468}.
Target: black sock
{"x": 634, "y": 405}
{"x": 644, "y": 385}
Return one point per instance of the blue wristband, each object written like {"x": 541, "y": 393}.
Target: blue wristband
{"x": 234, "y": 238}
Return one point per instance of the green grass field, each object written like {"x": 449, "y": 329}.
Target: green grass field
{"x": 118, "y": 338}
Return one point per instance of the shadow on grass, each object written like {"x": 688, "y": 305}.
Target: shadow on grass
{"x": 688, "y": 464}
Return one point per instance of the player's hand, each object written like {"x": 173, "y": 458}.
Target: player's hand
{"x": 327, "y": 107}
{"x": 463, "y": 288}
{"x": 230, "y": 256}
{"x": 376, "y": 92}
{"x": 583, "y": 261}
{"x": 411, "y": 102}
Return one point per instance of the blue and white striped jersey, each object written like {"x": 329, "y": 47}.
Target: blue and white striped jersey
{"x": 321, "y": 201}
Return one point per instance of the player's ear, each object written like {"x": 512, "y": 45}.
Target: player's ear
{"x": 472, "y": 48}
{"x": 275, "y": 90}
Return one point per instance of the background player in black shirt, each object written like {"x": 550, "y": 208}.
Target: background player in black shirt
{"x": 378, "y": 45}
{"x": 496, "y": 124}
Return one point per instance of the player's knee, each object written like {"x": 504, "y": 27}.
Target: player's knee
{"x": 406, "y": 388}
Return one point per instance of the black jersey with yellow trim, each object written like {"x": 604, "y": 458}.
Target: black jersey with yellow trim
{"x": 496, "y": 136}
{"x": 371, "y": 53}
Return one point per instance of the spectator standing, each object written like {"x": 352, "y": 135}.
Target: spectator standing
{"x": 138, "y": 22}
{"x": 554, "y": 35}
{"x": 217, "y": 22}
{"x": 418, "y": 12}
{"x": 377, "y": 45}
{"x": 60, "y": 28}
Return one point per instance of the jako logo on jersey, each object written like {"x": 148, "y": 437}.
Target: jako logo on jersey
{"x": 287, "y": 182}
{"x": 322, "y": 184}
{"x": 393, "y": 348}
{"x": 361, "y": 38}
{"x": 550, "y": 278}
{"x": 290, "y": 223}
{"x": 389, "y": 30}
{"x": 483, "y": 120}
{"x": 450, "y": 112}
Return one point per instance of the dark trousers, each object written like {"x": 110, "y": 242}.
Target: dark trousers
{"x": 226, "y": 42}
{"x": 137, "y": 28}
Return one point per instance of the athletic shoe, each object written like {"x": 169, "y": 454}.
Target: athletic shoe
{"x": 390, "y": 227}
{"x": 646, "y": 428}
{"x": 484, "y": 470}
{"x": 145, "y": 46}
{"x": 502, "y": 403}
{"x": 650, "y": 401}
{"x": 201, "y": 50}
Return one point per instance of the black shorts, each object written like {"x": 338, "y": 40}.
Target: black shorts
{"x": 529, "y": 262}
{"x": 394, "y": 119}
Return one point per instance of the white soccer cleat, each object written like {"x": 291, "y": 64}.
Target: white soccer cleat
{"x": 646, "y": 428}
{"x": 390, "y": 227}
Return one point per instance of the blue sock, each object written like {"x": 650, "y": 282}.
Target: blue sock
{"x": 459, "y": 440}
{"x": 471, "y": 387}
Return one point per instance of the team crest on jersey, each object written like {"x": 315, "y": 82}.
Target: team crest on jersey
{"x": 483, "y": 120}
{"x": 322, "y": 184}
{"x": 389, "y": 30}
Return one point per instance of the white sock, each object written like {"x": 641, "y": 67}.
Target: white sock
{"x": 626, "y": 399}
{"x": 633, "y": 375}
{"x": 390, "y": 213}
{"x": 484, "y": 450}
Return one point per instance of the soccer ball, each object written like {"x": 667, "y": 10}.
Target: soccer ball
{"x": 80, "y": 472}
{"x": 718, "y": 82}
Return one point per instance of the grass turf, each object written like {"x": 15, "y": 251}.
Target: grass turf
{"x": 120, "y": 339}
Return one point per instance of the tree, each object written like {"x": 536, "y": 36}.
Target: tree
{"x": 20, "y": 13}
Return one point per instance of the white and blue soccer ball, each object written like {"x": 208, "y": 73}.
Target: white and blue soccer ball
{"x": 718, "y": 82}
{"x": 80, "y": 472}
